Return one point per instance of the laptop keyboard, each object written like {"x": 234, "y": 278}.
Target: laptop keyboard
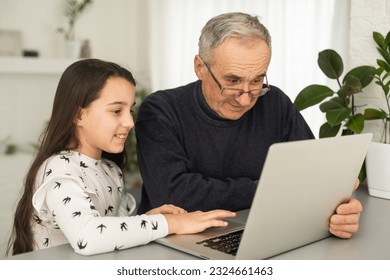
{"x": 227, "y": 243}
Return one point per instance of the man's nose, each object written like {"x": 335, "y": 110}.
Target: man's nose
{"x": 245, "y": 99}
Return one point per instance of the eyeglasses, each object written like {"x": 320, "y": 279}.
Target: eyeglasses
{"x": 237, "y": 92}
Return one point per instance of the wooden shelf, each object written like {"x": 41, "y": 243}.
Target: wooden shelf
{"x": 33, "y": 65}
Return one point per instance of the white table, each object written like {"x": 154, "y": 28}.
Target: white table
{"x": 370, "y": 243}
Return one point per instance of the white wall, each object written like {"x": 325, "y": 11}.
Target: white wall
{"x": 368, "y": 16}
{"x": 116, "y": 31}
{"x": 111, "y": 26}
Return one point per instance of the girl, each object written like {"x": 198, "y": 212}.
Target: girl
{"x": 74, "y": 191}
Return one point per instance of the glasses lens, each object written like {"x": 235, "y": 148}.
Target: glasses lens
{"x": 232, "y": 92}
{"x": 263, "y": 91}
{"x": 235, "y": 92}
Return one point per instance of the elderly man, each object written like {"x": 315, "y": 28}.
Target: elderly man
{"x": 202, "y": 146}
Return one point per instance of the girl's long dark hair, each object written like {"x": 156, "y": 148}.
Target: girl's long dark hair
{"x": 79, "y": 85}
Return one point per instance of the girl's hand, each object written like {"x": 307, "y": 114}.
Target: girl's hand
{"x": 194, "y": 222}
{"x": 166, "y": 209}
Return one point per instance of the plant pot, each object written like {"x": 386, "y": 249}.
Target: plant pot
{"x": 73, "y": 49}
{"x": 377, "y": 168}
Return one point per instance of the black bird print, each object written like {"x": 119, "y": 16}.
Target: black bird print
{"x": 109, "y": 165}
{"x": 109, "y": 209}
{"x": 101, "y": 226}
{"x": 123, "y": 226}
{"x": 109, "y": 189}
{"x": 143, "y": 224}
{"x": 57, "y": 185}
{"x": 54, "y": 220}
{"x": 76, "y": 214}
{"x": 120, "y": 189}
{"x": 89, "y": 199}
{"x": 154, "y": 225}
{"x": 82, "y": 179}
{"x": 80, "y": 244}
{"x": 120, "y": 175}
{"x": 37, "y": 220}
{"x": 65, "y": 158}
{"x": 46, "y": 243}
{"x": 118, "y": 248}
{"x": 49, "y": 172}
{"x": 128, "y": 208}
{"x": 92, "y": 207}
{"x": 66, "y": 200}
{"x": 82, "y": 164}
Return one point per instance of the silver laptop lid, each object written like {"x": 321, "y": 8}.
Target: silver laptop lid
{"x": 301, "y": 184}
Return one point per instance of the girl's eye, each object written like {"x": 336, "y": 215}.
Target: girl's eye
{"x": 132, "y": 111}
{"x": 116, "y": 112}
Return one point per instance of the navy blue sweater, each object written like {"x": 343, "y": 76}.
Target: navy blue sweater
{"x": 190, "y": 157}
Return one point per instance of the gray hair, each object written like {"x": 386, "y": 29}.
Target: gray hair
{"x": 224, "y": 26}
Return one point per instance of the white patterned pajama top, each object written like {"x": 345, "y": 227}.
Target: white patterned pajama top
{"x": 82, "y": 201}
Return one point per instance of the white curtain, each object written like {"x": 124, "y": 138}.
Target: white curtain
{"x": 299, "y": 30}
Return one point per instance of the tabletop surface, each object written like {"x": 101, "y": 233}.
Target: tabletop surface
{"x": 371, "y": 242}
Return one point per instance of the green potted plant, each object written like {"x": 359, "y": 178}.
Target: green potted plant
{"x": 338, "y": 105}
{"x": 73, "y": 11}
{"x": 378, "y": 156}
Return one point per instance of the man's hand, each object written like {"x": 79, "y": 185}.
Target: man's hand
{"x": 346, "y": 220}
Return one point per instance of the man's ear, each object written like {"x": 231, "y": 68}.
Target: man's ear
{"x": 80, "y": 116}
{"x": 199, "y": 67}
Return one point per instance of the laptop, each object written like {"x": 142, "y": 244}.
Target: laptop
{"x": 301, "y": 184}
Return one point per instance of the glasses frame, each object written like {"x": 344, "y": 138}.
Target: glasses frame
{"x": 240, "y": 92}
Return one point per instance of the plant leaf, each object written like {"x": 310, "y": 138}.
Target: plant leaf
{"x": 344, "y": 92}
{"x": 362, "y": 174}
{"x": 384, "y": 54}
{"x": 335, "y": 117}
{"x": 331, "y": 63}
{"x": 386, "y": 75}
{"x": 381, "y": 63}
{"x": 312, "y": 95}
{"x": 365, "y": 74}
{"x": 326, "y": 130}
{"x": 387, "y": 40}
{"x": 352, "y": 85}
{"x": 346, "y": 131}
{"x": 374, "y": 114}
{"x": 356, "y": 123}
{"x": 379, "y": 40}
{"x": 333, "y": 104}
